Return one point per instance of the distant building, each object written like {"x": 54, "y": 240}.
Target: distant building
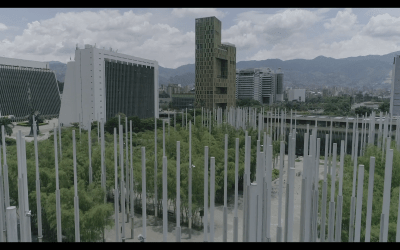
{"x": 395, "y": 93}
{"x": 182, "y": 101}
{"x": 261, "y": 84}
{"x": 297, "y": 95}
{"x": 101, "y": 83}
{"x": 215, "y": 66}
{"x": 18, "y": 78}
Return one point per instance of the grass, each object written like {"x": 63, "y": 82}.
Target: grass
{"x": 26, "y": 124}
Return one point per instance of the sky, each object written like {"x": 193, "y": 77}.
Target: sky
{"x": 167, "y": 35}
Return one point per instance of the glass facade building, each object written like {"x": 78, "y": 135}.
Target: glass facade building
{"x": 15, "y": 83}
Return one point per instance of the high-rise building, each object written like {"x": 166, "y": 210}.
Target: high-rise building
{"x": 395, "y": 93}
{"x": 24, "y": 83}
{"x": 215, "y": 66}
{"x": 102, "y": 83}
{"x": 297, "y": 94}
{"x": 261, "y": 84}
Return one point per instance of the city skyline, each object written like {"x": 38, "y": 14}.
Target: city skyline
{"x": 167, "y": 35}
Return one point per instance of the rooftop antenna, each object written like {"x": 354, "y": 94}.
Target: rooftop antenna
{"x": 76, "y": 46}
{"x": 95, "y": 45}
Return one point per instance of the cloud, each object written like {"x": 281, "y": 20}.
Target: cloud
{"x": 256, "y": 29}
{"x": 197, "y": 12}
{"x": 343, "y": 24}
{"x": 133, "y": 34}
{"x": 383, "y": 26}
{"x": 3, "y": 27}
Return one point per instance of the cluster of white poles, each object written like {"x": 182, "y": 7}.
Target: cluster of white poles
{"x": 257, "y": 195}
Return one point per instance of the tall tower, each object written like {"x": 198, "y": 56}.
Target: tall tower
{"x": 395, "y": 93}
{"x": 215, "y": 66}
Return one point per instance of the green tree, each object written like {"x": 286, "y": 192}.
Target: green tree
{"x": 360, "y": 111}
{"x": 384, "y": 107}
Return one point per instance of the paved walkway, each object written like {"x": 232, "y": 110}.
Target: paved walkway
{"x": 44, "y": 130}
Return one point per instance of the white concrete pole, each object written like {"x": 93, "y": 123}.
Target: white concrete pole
{"x": 59, "y": 137}
{"x": 386, "y": 190}
{"x": 290, "y": 201}
{"x": 165, "y": 201}
{"x": 127, "y": 180}
{"x": 21, "y": 203}
{"x": 27, "y": 213}
{"x": 116, "y": 193}
{"x": 2, "y": 209}
{"x": 225, "y": 214}
{"x": 353, "y": 193}
{"x": 245, "y": 185}
{"x": 260, "y": 190}
{"x": 174, "y": 120}
{"x": 80, "y": 127}
{"x": 205, "y": 217}
{"x": 144, "y": 193}
{"x": 324, "y": 191}
{"x": 269, "y": 189}
{"x": 369, "y": 201}
{"x": 332, "y": 202}
{"x": 359, "y": 203}
{"x": 338, "y": 232}
{"x": 122, "y": 184}
{"x": 76, "y": 197}
{"x": 155, "y": 168}
{"x": 361, "y": 136}
{"x": 98, "y": 129}
{"x": 178, "y": 191}
{"x": 12, "y": 232}
{"x": 345, "y": 138}
{"x": 235, "y": 218}
{"x": 90, "y": 154}
{"x": 103, "y": 167}
{"x": 58, "y": 199}
{"x": 38, "y": 200}
{"x": 168, "y": 122}
{"x": 190, "y": 179}
{"x": 279, "y": 228}
{"x": 186, "y": 119}
{"x": 212, "y": 198}
{"x": 5, "y": 168}
{"x": 131, "y": 183}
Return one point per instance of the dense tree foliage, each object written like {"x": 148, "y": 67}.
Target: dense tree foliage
{"x": 94, "y": 213}
{"x": 384, "y": 107}
{"x": 379, "y": 176}
{"x": 360, "y": 111}
{"x": 247, "y": 103}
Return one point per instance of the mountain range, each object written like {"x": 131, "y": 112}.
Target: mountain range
{"x": 362, "y": 72}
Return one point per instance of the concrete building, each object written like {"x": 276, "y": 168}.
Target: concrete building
{"x": 182, "y": 101}
{"x": 18, "y": 78}
{"x": 297, "y": 94}
{"x": 395, "y": 93}
{"x": 215, "y": 66}
{"x": 101, "y": 83}
{"x": 261, "y": 84}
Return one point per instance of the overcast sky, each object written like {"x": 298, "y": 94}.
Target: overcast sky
{"x": 167, "y": 35}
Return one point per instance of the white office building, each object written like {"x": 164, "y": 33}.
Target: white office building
{"x": 395, "y": 93}
{"x": 102, "y": 83}
{"x": 261, "y": 84}
{"x": 297, "y": 94}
